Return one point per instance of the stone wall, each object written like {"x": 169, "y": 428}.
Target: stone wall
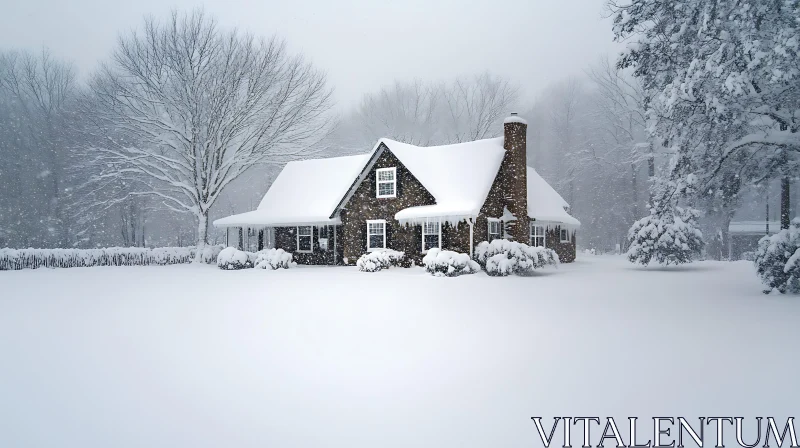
{"x": 364, "y": 205}
{"x": 286, "y": 239}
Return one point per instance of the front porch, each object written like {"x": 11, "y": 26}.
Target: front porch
{"x": 309, "y": 244}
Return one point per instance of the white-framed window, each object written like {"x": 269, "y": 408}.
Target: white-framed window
{"x": 376, "y": 234}
{"x": 305, "y": 238}
{"x": 386, "y": 182}
{"x": 537, "y": 236}
{"x": 494, "y": 229}
{"x": 431, "y": 235}
{"x": 322, "y": 237}
{"x": 565, "y": 236}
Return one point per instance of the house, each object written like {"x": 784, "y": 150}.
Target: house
{"x": 744, "y": 236}
{"x": 410, "y": 198}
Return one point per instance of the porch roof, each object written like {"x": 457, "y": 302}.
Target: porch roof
{"x": 304, "y": 193}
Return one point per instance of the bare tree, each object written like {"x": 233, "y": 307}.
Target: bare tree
{"x": 466, "y": 109}
{"x": 563, "y": 118}
{"x": 38, "y": 91}
{"x": 185, "y": 108}
{"x": 475, "y": 106}
{"x": 618, "y": 105}
{"x": 406, "y": 112}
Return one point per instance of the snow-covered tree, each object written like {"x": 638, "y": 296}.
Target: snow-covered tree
{"x": 721, "y": 84}
{"x": 184, "y": 108}
{"x": 778, "y": 260}
{"x": 667, "y": 236}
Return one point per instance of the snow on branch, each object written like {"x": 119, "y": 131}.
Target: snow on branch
{"x": 184, "y": 108}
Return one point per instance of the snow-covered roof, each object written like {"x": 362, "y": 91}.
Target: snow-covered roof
{"x": 305, "y": 192}
{"x": 458, "y": 176}
{"x": 753, "y": 227}
{"x": 545, "y": 204}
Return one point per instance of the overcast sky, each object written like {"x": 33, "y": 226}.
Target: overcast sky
{"x": 361, "y": 44}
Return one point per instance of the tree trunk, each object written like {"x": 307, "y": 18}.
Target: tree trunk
{"x": 56, "y": 207}
{"x": 202, "y": 235}
{"x": 785, "y": 203}
{"x": 635, "y": 190}
{"x": 726, "y": 235}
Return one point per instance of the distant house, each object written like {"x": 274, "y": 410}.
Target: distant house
{"x": 409, "y": 198}
{"x": 744, "y": 236}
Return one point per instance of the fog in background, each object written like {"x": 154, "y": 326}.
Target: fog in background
{"x": 396, "y": 69}
{"x": 362, "y": 45}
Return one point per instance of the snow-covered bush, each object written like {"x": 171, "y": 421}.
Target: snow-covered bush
{"x": 274, "y": 259}
{"x": 232, "y": 258}
{"x": 11, "y": 259}
{"x": 382, "y": 259}
{"x": 778, "y": 260}
{"x": 210, "y": 253}
{"x": 669, "y": 237}
{"x": 446, "y": 263}
{"x": 502, "y": 257}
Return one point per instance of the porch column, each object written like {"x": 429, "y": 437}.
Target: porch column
{"x": 471, "y": 237}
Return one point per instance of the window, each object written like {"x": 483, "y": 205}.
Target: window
{"x": 376, "y": 235}
{"x": 565, "y": 236}
{"x": 386, "y": 182}
{"x": 304, "y": 238}
{"x": 322, "y": 237}
{"x": 537, "y": 236}
{"x": 494, "y": 229}
{"x": 431, "y": 235}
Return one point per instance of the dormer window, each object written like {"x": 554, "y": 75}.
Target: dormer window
{"x": 386, "y": 185}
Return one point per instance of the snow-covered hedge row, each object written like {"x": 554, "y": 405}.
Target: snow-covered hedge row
{"x": 447, "y": 263}
{"x": 12, "y": 259}
{"x": 383, "y": 259}
{"x": 502, "y": 257}
{"x": 232, "y": 258}
{"x": 778, "y": 260}
{"x": 274, "y": 259}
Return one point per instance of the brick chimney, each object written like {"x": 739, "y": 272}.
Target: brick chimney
{"x": 515, "y": 176}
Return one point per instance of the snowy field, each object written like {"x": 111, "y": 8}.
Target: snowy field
{"x": 191, "y": 356}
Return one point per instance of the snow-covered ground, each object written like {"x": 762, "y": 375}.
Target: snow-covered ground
{"x": 192, "y": 356}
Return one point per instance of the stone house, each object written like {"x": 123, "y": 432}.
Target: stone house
{"x": 409, "y": 198}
